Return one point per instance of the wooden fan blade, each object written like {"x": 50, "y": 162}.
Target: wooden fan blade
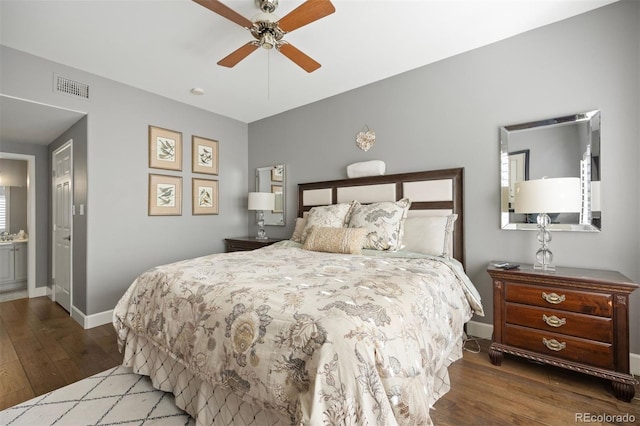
{"x": 307, "y": 12}
{"x": 226, "y": 12}
{"x": 237, "y": 55}
{"x": 301, "y": 59}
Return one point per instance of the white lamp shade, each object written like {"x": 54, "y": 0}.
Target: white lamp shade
{"x": 553, "y": 195}
{"x": 261, "y": 201}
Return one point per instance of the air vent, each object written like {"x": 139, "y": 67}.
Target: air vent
{"x": 70, "y": 87}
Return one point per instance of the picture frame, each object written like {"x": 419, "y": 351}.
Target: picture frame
{"x": 277, "y": 173}
{"x": 204, "y": 196}
{"x": 204, "y": 157}
{"x": 278, "y": 206}
{"x": 165, "y": 149}
{"x": 165, "y": 195}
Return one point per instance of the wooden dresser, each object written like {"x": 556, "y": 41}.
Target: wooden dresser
{"x": 247, "y": 243}
{"x": 571, "y": 318}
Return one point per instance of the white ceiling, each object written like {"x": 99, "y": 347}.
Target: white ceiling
{"x": 170, "y": 46}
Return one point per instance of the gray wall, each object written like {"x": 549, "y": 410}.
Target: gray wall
{"x": 122, "y": 240}
{"x": 42, "y": 200}
{"x": 448, "y": 114}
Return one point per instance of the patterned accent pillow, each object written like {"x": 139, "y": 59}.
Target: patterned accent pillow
{"x": 332, "y": 216}
{"x": 335, "y": 240}
{"x": 384, "y": 222}
{"x": 429, "y": 235}
{"x": 301, "y": 222}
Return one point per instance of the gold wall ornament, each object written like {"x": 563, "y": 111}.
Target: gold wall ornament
{"x": 365, "y": 138}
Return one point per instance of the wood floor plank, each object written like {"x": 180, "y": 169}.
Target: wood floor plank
{"x": 41, "y": 371}
{"x": 7, "y": 352}
{"x": 14, "y": 385}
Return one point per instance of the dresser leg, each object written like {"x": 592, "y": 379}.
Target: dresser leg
{"x": 623, "y": 391}
{"x": 495, "y": 356}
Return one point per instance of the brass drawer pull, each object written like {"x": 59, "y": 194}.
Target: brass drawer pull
{"x": 554, "y": 321}
{"x": 553, "y": 298}
{"x": 554, "y": 345}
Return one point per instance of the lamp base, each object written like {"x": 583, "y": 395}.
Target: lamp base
{"x": 544, "y": 257}
{"x": 262, "y": 234}
{"x": 544, "y": 267}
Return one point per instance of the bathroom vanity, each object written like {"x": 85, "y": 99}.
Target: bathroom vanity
{"x": 13, "y": 265}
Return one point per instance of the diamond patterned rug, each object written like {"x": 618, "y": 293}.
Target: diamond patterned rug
{"x": 113, "y": 397}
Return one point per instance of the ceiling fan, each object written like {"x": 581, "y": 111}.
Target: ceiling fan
{"x": 269, "y": 30}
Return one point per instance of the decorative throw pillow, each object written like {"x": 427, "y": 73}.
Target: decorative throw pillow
{"x": 429, "y": 235}
{"x": 297, "y": 231}
{"x": 332, "y": 216}
{"x": 335, "y": 240}
{"x": 384, "y": 222}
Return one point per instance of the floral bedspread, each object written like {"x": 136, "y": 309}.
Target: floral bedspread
{"x": 321, "y": 338}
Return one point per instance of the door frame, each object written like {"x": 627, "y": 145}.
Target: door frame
{"x": 32, "y": 290}
{"x": 52, "y": 182}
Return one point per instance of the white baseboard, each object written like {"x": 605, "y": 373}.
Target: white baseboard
{"x": 39, "y": 292}
{"x": 90, "y": 321}
{"x": 634, "y": 364}
{"x": 485, "y": 331}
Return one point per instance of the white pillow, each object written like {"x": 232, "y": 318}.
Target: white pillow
{"x": 384, "y": 222}
{"x": 429, "y": 234}
{"x": 331, "y": 216}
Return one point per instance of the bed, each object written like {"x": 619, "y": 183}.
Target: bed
{"x": 353, "y": 321}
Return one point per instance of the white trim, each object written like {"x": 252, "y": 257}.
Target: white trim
{"x": 39, "y": 292}
{"x": 91, "y": 321}
{"x": 634, "y": 364}
{"x": 2, "y": 95}
{"x": 31, "y": 217}
{"x": 480, "y": 329}
{"x": 485, "y": 331}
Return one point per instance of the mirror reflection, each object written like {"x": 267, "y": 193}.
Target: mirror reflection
{"x": 566, "y": 146}
{"x": 272, "y": 179}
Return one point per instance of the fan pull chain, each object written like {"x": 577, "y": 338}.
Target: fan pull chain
{"x": 269, "y": 74}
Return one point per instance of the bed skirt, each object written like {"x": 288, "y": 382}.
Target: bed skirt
{"x": 219, "y": 405}
{"x": 207, "y": 404}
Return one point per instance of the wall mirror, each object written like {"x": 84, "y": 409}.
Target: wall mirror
{"x": 272, "y": 179}
{"x": 558, "y": 147}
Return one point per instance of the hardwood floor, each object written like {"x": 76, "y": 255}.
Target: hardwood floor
{"x": 520, "y": 392}
{"x": 42, "y": 348}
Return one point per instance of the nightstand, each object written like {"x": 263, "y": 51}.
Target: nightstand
{"x": 572, "y": 318}
{"x": 247, "y": 243}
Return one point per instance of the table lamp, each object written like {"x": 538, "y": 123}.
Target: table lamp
{"x": 261, "y": 201}
{"x": 544, "y": 196}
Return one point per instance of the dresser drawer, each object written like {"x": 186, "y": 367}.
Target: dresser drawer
{"x": 573, "y": 324}
{"x": 557, "y": 298}
{"x": 570, "y": 348}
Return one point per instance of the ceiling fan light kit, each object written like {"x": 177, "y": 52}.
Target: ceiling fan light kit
{"x": 269, "y": 30}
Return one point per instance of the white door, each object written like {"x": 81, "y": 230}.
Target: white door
{"x": 62, "y": 221}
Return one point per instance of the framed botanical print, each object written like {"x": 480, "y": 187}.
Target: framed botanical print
{"x": 165, "y": 195}
{"x": 204, "y": 155}
{"x": 165, "y": 149}
{"x": 205, "y": 196}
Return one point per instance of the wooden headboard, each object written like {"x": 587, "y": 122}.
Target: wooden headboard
{"x": 434, "y": 192}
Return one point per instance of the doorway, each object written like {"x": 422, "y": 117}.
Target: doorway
{"x": 32, "y": 291}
